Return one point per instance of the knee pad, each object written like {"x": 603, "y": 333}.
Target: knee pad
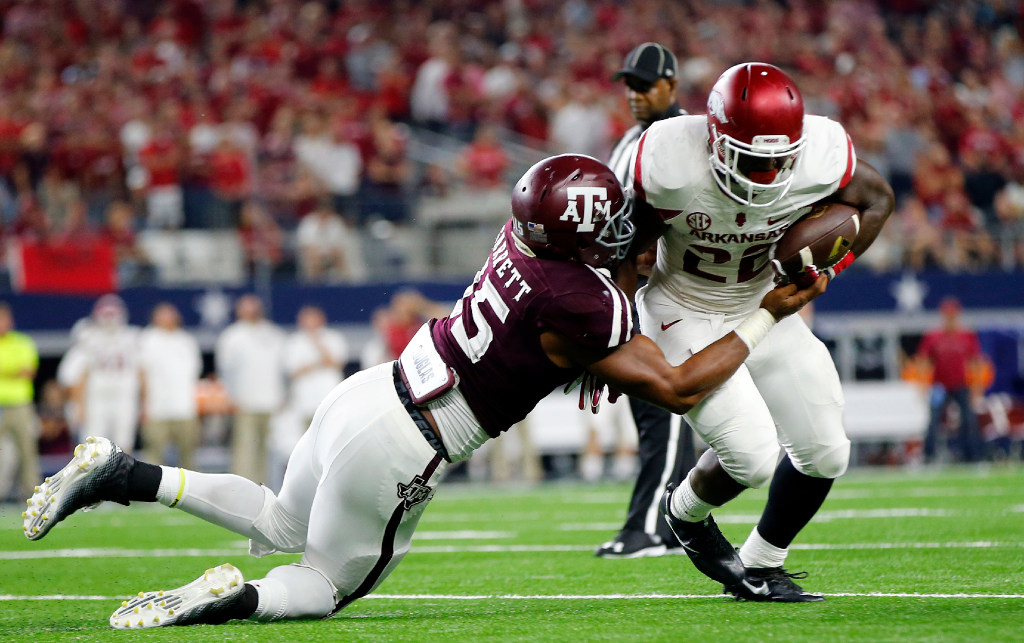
{"x": 280, "y": 530}
{"x": 754, "y": 469}
{"x": 294, "y": 592}
{"x": 829, "y": 462}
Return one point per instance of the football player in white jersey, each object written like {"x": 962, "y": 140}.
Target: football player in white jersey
{"x": 718, "y": 190}
{"x": 103, "y": 366}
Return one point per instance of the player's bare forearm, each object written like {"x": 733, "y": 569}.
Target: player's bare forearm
{"x": 870, "y": 193}
{"x": 639, "y": 369}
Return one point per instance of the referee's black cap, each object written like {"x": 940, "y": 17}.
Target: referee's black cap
{"x": 649, "y": 61}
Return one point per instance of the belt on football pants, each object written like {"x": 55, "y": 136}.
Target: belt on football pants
{"x": 420, "y": 420}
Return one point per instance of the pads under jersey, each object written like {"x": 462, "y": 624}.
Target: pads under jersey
{"x": 492, "y": 337}
{"x": 715, "y": 257}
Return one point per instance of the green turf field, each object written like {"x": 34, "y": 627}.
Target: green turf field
{"x": 923, "y": 556}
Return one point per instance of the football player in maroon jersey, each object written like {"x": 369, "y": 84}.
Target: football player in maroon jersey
{"x": 542, "y": 312}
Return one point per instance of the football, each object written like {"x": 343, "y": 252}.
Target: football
{"x": 819, "y": 239}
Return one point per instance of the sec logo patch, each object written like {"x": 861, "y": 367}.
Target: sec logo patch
{"x": 698, "y": 221}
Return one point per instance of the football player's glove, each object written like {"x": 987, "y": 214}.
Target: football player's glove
{"x": 591, "y": 391}
{"x": 811, "y": 272}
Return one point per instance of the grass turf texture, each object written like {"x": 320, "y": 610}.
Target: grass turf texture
{"x": 514, "y": 550}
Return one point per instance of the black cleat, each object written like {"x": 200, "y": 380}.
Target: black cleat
{"x": 632, "y": 544}
{"x": 704, "y": 543}
{"x": 97, "y": 472}
{"x": 773, "y": 584}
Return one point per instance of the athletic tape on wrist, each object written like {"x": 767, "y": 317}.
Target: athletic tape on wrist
{"x": 754, "y": 328}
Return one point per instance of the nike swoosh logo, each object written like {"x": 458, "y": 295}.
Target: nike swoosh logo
{"x": 774, "y": 221}
{"x": 665, "y": 326}
{"x": 761, "y": 590}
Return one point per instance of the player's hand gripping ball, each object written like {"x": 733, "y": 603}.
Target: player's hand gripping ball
{"x": 818, "y": 243}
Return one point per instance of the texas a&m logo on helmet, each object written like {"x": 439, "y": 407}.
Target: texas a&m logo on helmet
{"x": 572, "y": 207}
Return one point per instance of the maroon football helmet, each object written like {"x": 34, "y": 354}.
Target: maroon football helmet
{"x": 756, "y": 124}
{"x": 572, "y": 207}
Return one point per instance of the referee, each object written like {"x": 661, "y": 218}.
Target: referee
{"x": 665, "y": 441}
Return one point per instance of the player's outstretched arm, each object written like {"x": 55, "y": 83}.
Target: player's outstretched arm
{"x": 870, "y": 193}
{"x": 639, "y": 369}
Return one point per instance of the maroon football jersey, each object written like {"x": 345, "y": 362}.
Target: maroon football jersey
{"x": 492, "y": 337}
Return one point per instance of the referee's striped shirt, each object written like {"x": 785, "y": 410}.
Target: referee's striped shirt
{"x": 622, "y": 155}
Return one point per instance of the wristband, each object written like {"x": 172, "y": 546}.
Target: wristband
{"x": 753, "y": 329}
{"x": 840, "y": 266}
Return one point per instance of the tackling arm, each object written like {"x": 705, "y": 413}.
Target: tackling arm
{"x": 639, "y": 369}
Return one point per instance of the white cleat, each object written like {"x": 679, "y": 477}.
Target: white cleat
{"x": 97, "y": 472}
{"x": 204, "y": 600}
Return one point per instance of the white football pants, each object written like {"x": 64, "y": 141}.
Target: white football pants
{"x": 787, "y": 392}
{"x": 356, "y": 485}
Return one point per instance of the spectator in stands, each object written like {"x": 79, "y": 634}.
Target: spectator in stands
{"x": 132, "y": 263}
{"x": 387, "y": 172}
{"x": 19, "y": 360}
{"x": 249, "y": 361}
{"x": 56, "y": 194}
{"x": 76, "y": 229}
{"x": 328, "y": 249}
{"x": 328, "y": 154}
{"x": 315, "y": 358}
{"x": 120, "y": 106}
{"x": 171, "y": 365}
{"x": 970, "y": 245}
{"x": 230, "y": 181}
{"x": 1009, "y": 208}
{"x": 922, "y": 239}
{"x": 951, "y": 349}
{"x": 429, "y": 98}
{"x": 261, "y": 239}
{"x": 483, "y": 162}
{"x": 161, "y": 158}
{"x": 935, "y": 176}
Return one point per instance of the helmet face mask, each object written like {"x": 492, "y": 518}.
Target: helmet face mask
{"x": 572, "y": 207}
{"x": 755, "y": 126}
{"x": 756, "y": 174}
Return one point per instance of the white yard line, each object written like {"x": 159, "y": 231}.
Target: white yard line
{"x": 114, "y": 552}
{"x": 544, "y": 597}
{"x": 821, "y": 516}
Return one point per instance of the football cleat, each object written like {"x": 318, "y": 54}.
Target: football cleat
{"x": 771, "y": 584}
{"x": 208, "y": 599}
{"x": 632, "y": 544}
{"x": 708, "y": 549}
{"x": 97, "y": 472}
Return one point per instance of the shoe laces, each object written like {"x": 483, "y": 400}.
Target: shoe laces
{"x": 784, "y": 577}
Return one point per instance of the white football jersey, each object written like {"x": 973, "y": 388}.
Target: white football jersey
{"x": 715, "y": 256}
{"x": 110, "y": 357}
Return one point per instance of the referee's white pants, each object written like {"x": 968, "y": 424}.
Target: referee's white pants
{"x": 787, "y": 392}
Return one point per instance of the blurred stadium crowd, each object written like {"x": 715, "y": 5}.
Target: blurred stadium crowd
{"x": 302, "y": 126}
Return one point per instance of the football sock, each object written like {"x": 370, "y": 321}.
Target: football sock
{"x": 294, "y": 591}
{"x": 757, "y": 552}
{"x": 224, "y": 499}
{"x": 143, "y": 481}
{"x": 793, "y": 499}
{"x": 687, "y": 505}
